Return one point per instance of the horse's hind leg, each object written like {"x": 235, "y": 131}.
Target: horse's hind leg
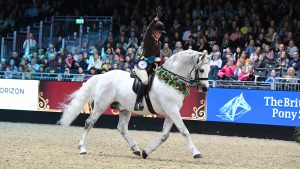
{"x": 176, "y": 118}
{"x": 168, "y": 123}
{"x": 89, "y": 123}
{"x": 124, "y": 117}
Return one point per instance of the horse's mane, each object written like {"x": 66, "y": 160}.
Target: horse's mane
{"x": 186, "y": 56}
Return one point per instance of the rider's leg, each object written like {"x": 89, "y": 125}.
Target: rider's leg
{"x": 143, "y": 76}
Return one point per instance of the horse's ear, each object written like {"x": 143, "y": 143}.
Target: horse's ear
{"x": 201, "y": 55}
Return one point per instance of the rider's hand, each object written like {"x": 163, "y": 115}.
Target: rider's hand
{"x": 158, "y": 12}
{"x": 157, "y": 59}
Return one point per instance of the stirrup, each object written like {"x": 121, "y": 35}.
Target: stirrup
{"x": 138, "y": 107}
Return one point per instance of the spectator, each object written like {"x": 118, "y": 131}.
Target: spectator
{"x": 70, "y": 62}
{"x": 79, "y": 77}
{"x": 283, "y": 61}
{"x": 29, "y": 45}
{"x": 291, "y": 48}
{"x": 106, "y": 66}
{"x": 51, "y": 51}
{"x": 166, "y": 51}
{"x": 178, "y": 47}
{"x": 250, "y": 48}
{"x": 272, "y": 77}
{"x": 216, "y": 61}
{"x": 295, "y": 62}
{"x": 290, "y": 77}
{"x": 81, "y": 62}
{"x": 227, "y": 70}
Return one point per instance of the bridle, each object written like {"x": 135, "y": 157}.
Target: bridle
{"x": 193, "y": 82}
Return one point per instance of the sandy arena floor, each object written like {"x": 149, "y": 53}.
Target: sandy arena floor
{"x": 32, "y": 146}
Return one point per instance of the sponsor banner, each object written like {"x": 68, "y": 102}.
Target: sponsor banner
{"x": 19, "y": 94}
{"x": 53, "y": 94}
{"x": 254, "y": 106}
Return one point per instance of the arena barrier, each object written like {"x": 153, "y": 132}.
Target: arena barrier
{"x": 218, "y": 105}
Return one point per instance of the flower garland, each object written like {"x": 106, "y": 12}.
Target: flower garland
{"x": 173, "y": 81}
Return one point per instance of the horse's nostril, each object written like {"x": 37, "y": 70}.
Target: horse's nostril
{"x": 204, "y": 89}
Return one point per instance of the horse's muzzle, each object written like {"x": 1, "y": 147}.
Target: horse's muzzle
{"x": 204, "y": 89}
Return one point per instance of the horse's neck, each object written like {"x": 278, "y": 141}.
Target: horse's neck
{"x": 183, "y": 70}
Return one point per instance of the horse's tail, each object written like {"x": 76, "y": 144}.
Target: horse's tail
{"x": 77, "y": 101}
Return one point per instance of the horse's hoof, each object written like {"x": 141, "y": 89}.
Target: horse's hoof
{"x": 83, "y": 153}
{"x": 144, "y": 154}
{"x": 138, "y": 153}
{"x": 198, "y": 156}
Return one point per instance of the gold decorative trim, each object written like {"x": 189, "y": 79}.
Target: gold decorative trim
{"x": 43, "y": 103}
{"x": 199, "y": 112}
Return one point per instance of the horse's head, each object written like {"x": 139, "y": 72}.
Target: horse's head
{"x": 241, "y": 102}
{"x": 202, "y": 69}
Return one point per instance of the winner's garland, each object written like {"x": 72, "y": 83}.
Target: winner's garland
{"x": 173, "y": 81}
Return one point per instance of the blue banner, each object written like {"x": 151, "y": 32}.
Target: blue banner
{"x": 254, "y": 106}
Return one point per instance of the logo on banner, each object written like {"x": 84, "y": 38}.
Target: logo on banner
{"x": 234, "y": 108}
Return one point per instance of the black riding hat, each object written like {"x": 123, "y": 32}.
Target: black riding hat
{"x": 160, "y": 27}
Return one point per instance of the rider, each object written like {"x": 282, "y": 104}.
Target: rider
{"x": 151, "y": 54}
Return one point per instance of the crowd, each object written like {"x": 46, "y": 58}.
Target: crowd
{"x": 239, "y": 36}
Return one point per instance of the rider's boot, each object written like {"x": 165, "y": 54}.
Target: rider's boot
{"x": 138, "y": 104}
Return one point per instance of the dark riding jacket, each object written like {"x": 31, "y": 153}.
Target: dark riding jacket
{"x": 151, "y": 44}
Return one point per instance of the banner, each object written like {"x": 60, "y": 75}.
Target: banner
{"x": 19, "y": 94}
{"x": 254, "y": 106}
{"x": 54, "y": 94}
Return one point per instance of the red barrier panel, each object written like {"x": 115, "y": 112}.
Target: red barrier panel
{"x": 53, "y": 94}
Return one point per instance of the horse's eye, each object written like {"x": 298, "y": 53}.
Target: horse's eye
{"x": 201, "y": 70}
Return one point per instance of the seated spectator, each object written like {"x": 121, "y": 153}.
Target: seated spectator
{"x": 237, "y": 54}
{"x": 272, "y": 77}
{"x": 239, "y": 65}
{"x": 51, "y": 51}
{"x": 295, "y": 62}
{"x": 291, "y": 48}
{"x": 13, "y": 66}
{"x": 3, "y": 63}
{"x": 166, "y": 51}
{"x": 247, "y": 74}
{"x": 52, "y": 61}
{"x": 66, "y": 75}
{"x": 81, "y": 62}
{"x": 216, "y": 61}
{"x": 291, "y": 76}
{"x": 257, "y": 59}
{"x": 268, "y": 55}
{"x": 70, "y": 62}
{"x": 243, "y": 76}
{"x": 250, "y": 48}
{"x": 178, "y": 47}
{"x": 92, "y": 71}
{"x": 227, "y": 70}
{"x": 245, "y": 58}
{"x": 203, "y": 45}
{"x": 282, "y": 61}
{"x": 106, "y": 66}
{"x": 35, "y": 64}
{"x": 79, "y": 77}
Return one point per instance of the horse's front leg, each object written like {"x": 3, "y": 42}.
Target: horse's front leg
{"x": 124, "y": 117}
{"x": 164, "y": 136}
{"x": 176, "y": 118}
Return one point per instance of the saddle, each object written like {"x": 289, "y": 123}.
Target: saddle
{"x": 137, "y": 84}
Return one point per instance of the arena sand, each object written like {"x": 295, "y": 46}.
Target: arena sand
{"x": 36, "y": 146}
